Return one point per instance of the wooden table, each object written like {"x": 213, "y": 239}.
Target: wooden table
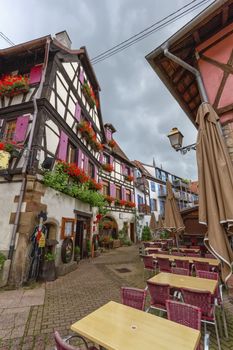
{"x": 118, "y": 327}
{"x": 212, "y": 262}
{"x": 180, "y": 281}
{"x": 196, "y": 250}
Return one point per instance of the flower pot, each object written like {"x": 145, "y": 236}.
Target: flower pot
{"x": 48, "y": 271}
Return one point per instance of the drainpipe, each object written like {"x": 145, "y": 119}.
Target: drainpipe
{"x": 27, "y": 155}
{"x": 191, "y": 69}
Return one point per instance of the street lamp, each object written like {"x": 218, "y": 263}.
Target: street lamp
{"x": 176, "y": 140}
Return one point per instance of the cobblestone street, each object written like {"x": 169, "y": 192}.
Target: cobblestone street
{"x": 29, "y": 320}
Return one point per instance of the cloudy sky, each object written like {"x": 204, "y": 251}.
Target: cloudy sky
{"x": 133, "y": 99}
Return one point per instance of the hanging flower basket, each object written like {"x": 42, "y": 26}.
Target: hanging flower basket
{"x": 13, "y": 85}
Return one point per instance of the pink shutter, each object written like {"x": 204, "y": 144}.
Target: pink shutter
{"x": 62, "y": 150}
{"x": 77, "y": 113}
{"x": 123, "y": 168}
{"x": 86, "y": 161}
{"x": 131, "y": 196}
{"x": 111, "y": 160}
{"x": 21, "y": 128}
{"x": 101, "y": 158}
{"x": 35, "y": 74}
{"x": 112, "y": 190}
{"x": 95, "y": 172}
{"x": 80, "y": 158}
{"x": 108, "y": 134}
{"x": 123, "y": 194}
{"x": 81, "y": 77}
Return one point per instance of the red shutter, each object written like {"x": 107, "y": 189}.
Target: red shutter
{"x": 77, "y": 113}
{"x": 81, "y": 77}
{"x": 35, "y": 74}
{"x": 123, "y": 193}
{"x": 80, "y": 158}
{"x": 62, "y": 151}
{"x": 111, "y": 160}
{"x": 112, "y": 190}
{"x": 21, "y": 128}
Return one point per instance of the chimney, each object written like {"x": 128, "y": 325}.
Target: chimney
{"x": 64, "y": 39}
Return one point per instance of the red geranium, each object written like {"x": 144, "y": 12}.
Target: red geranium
{"x": 130, "y": 204}
{"x": 107, "y": 167}
{"x": 129, "y": 178}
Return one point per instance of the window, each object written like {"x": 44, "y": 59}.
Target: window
{"x": 127, "y": 171}
{"x": 153, "y": 204}
{"x": 118, "y": 192}
{"x": 106, "y": 159}
{"x": 106, "y": 188}
{"x": 128, "y": 195}
{"x": 91, "y": 170}
{"x": 152, "y": 186}
{"x": 71, "y": 154}
{"x": 10, "y": 130}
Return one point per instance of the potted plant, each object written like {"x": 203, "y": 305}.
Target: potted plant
{"x": 48, "y": 272}
{"x": 77, "y": 253}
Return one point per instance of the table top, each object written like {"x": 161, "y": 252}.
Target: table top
{"x": 213, "y": 262}
{"x": 174, "y": 249}
{"x": 180, "y": 281}
{"x": 118, "y": 327}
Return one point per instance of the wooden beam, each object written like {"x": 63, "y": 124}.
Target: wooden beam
{"x": 225, "y": 11}
{"x": 196, "y": 37}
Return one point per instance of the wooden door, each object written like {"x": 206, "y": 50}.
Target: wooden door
{"x": 132, "y": 233}
{"x": 79, "y": 237}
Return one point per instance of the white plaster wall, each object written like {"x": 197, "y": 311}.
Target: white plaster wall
{"x": 126, "y": 217}
{"x": 60, "y": 205}
{"x": 8, "y": 191}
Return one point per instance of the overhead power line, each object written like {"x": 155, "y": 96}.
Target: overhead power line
{"x": 6, "y": 39}
{"x": 148, "y": 31}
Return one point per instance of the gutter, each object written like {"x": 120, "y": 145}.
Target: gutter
{"x": 27, "y": 156}
{"x": 190, "y": 68}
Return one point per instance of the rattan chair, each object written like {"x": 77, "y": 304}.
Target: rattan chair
{"x": 202, "y": 299}
{"x": 63, "y": 343}
{"x": 159, "y": 293}
{"x": 187, "y": 315}
{"x": 133, "y": 297}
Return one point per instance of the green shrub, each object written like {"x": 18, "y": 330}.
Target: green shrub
{"x": 164, "y": 235}
{"x": 146, "y": 234}
{"x": 2, "y": 260}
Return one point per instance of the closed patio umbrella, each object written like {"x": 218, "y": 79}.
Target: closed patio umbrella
{"x": 173, "y": 221}
{"x": 153, "y": 225}
{"x": 160, "y": 223}
{"x": 215, "y": 176}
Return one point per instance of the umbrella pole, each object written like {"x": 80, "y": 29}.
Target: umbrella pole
{"x": 177, "y": 241}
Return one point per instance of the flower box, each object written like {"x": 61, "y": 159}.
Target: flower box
{"x": 109, "y": 199}
{"x": 129, "y": 178}
{"x": 120, "y": 202}
{"x": 93, "y": 185}
{"x": 89, "y": 95}
{"x": 107, "y": 167}
{"x": 112, "y": 143}
{"x": 130, "y": 204}
{"x": 89, "y": 135}
{"x": 13, "y": 85}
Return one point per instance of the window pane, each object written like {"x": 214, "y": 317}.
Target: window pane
{"x": 91, "y": 170}
{"x": 106, "y": 188}
{"x": 106, "y": 159}
{"x": 71, "y": 154}
{"x": 118, "y": 192}
{"x": 10, "y": 130}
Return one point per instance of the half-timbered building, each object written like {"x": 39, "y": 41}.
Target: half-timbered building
{"x": 49, "y": 112}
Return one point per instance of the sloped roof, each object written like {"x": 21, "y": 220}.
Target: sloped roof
{"x": 119, "y": 152}
{"x": 180, "y": 82}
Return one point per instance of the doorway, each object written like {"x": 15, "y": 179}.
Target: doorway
{"x": 132, "y": 232}
{"x": 79, "y": 236}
